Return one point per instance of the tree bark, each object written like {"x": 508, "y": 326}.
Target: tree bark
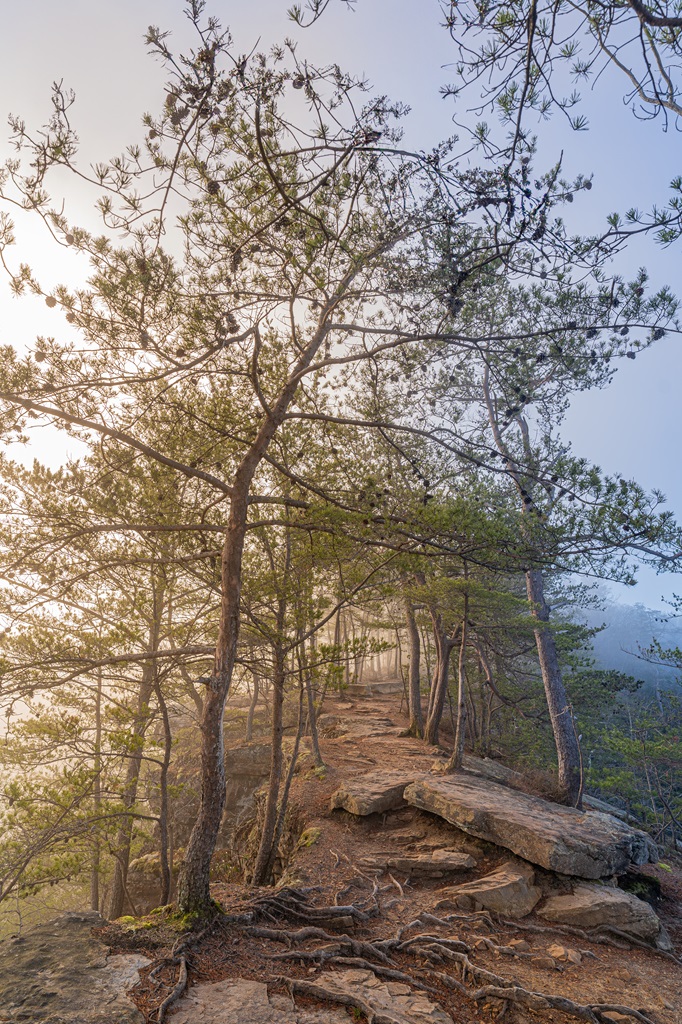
{"x": 97, "y": 795}
{"x": 125, "y": 833}
{"x": 194, "y": 895}
{"x": 439, "y": 685}
{"x": 312, "y": 710}
{"x": 561, "y": 717}
{"x": 416, "y": 727}
{"x": 252, "y": 706}
{"x": 265, "y": 851}
{"x": 194, "y": 889}
{"x": 166, "y": 876}
{"x": 455, "y": 762}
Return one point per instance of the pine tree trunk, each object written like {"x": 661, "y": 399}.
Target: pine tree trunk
{"x": 439, "y": 686}
{"x": 194, "y": 894}
{"x": 265, "y": 852}
{"x": 125, "y": 833}
{"x": 455, "y": 762}
{"x": 166, "y": 876}
{"x": 252, "y": 706}
{"x": 566, "y": 741}
{"x": 310, "y": 696}
{"x": 414, "y": 677}
{"x": 96, "y": 795}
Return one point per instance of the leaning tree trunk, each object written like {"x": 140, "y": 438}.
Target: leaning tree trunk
{"x": 560, "y": 713}
{"x": 414, "y": 679}
{"x": 194, "y": 894}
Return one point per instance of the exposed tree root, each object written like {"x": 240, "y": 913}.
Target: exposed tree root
{"x": 316, "y": 989}
{"x": 175, "y": 994}
{"x": 469, "y": 979}
{"x": 604, "y": 935}
{"x": 179, "y": 956}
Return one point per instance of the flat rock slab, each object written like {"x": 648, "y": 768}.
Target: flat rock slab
{"x": 594, "y": 906}
{"x": 422, "y": 865}
{"x": 583, "y": 843}
{"x": 238, "y": 1001}
{"x": 508, "y": 890}
{"x": 366, "y": 727}
{"x": 374, "y": 793}
{"x": 59, "y": 973}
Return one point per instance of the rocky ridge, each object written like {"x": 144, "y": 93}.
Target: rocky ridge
{"x": 395, "y": 915}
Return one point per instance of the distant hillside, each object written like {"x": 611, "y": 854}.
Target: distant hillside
{"x": 629, "y": 630}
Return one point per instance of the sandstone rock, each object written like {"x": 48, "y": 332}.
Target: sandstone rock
{"x": 424, "y": 865}
{"x": 356, "y": 727}
{"x": 584, "y": 843}
{"x": 374, "y": 792}
{"x": 250, "y": 759}
{"x": 509, "y": 891}
{"x": 61, "y": 974}
{"x": 545, "y": 963}
{"x": 564, "y": 953}
{"x": 520, "y": 945}
{"x": 593, "y": 803}
{"x": 390, "y": 1001}
{"x": 491, "y": 769}
{"x": 246, "y": 768}
{"x": 237, "y": 1001}
{"x": 592, "y": 906}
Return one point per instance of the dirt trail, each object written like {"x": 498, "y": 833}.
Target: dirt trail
{"x": 363, "y": 735}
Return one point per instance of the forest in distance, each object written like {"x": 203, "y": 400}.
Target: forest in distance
{"x": 316, "y": 383}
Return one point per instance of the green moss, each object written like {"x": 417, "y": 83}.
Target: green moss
{"x": 308, "y": 838}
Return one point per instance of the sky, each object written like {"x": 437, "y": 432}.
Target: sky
{"x": 633, "y": 428}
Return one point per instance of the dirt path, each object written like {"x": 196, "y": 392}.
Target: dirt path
{"x": 358, "y": 737}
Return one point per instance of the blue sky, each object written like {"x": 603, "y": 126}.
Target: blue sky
{"x": 633, "y": 428}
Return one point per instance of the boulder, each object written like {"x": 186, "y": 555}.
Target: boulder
{"x": 595, "y": 906}
{"x": 508, "y": 890}
{"x": 583, "y": 843}
{"x": 246, "y": 768}
{"x": 419, "y": 865}
{"x": 373, "y": 793}
{"x": 250, "y": 760}
{"x": 61, "y": 973}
